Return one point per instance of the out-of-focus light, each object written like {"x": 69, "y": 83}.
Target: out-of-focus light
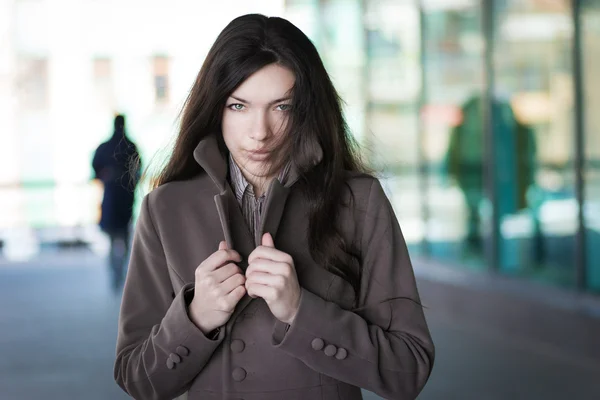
{"x": 442, "y": 114}
{"x": 437, "y": 5}
{"x": 532, "y": 107}
{"x": 20, "y": 243}
{"x": 559, "y": 217}
{"x": 536, "y": 27}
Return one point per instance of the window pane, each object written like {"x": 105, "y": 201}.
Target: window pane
{"x": 453, "y": 130}
{"x": 161, "y": 79}
{"x": 590, "y": 50}
{"x": 103, "y": 95}
{"x": 393, "y": 85}
{"x": 342, "y": 49}
{"x": 533, "y": 139}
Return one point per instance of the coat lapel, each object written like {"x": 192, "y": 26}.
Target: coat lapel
{"x": 233, "y": 224}
{"x": 235, "y": 231}
{"x": 275, "y": 203}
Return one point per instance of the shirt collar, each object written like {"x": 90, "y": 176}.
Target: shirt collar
{"x": 240, "y": 183}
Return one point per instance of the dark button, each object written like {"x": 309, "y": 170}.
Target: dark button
{"x": 182, "y": 351}
{"x": 176, "y": 359}
{"x": 237, "y": 346}
{"x": 238, "y": 374}
{"x": 330, "y": 350}
{"x": 170, "y": 363}
{"x": 341, "y": 354}
{"x": 318, "y": 344}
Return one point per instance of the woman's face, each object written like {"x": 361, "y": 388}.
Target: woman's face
{"x": 255, "y": 116}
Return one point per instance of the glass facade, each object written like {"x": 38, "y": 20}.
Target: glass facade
{"x": 533, "y": 139}
{"x": 452, "y": 135}
{"x": 392, "y": 97}
{"x": 468, "y": 109}
{"x": 590, "y": 51}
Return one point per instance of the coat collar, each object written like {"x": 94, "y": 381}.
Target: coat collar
{"x": 208, "y": 155}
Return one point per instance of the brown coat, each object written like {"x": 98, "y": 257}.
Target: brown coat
{"x": 340, "y": 340}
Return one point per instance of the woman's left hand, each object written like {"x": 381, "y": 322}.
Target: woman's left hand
{"x": 271, "y": 275}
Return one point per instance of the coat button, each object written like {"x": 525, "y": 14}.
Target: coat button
{"x": 182, "y": 351}
{"x": 176, "y": 359}
{"x": 341, "y": 354}
{"x": 170, "y": 363}
{"x": 239, "y": 374}
{"x": 330, "y": 350}
{"x": 237, "y": 346}
{"x": 318, "y": 344}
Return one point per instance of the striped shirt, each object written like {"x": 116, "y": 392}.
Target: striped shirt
{"x": 252, "y": 207}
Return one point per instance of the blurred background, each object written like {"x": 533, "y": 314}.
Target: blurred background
{"x": 483, "y": 117}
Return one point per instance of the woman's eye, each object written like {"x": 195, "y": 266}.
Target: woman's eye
{"x": 284, "y": 107}
{"x": 236, "y": 107}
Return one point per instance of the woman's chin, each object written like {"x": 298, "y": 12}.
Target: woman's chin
{"x": 256, "y": 170}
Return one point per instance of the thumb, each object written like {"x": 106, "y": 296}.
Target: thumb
{"x": 267, "y": 240}
{"x": 222, "y": 245}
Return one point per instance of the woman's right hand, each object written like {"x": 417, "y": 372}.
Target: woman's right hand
{"x": 219, "y": 286}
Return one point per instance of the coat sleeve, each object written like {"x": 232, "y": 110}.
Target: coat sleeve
{"x": 159, "y": 350}
{"x": 384, "y": 345}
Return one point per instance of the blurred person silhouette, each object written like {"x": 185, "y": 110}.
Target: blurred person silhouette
{"x": 514, "y": 150}
{"x": 116, "y": 164}
{"x": 267, "y": 263}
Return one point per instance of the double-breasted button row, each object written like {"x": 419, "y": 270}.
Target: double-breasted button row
{"x": 330, "y": 349}
{"x": 237, "y": 346}
{"x": 175, "y": 358}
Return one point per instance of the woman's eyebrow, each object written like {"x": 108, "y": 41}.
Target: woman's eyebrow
{"x": 270, "y": 103}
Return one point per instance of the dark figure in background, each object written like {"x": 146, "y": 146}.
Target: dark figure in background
{"x": 514, "y": 150}
{"x": 116, "y": 163}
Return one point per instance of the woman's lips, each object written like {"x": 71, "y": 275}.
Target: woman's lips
{"x": 257, "y": 155}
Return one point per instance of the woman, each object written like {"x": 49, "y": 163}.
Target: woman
{"x": 266, "y": 264}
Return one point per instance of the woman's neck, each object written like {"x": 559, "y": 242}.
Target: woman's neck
{"x": 259, "y": 183}
{"x": 258, "y": 190}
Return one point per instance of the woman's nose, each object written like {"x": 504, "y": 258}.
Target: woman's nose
{"x": 260, "y": 129}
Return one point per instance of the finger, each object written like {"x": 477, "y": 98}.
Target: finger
{"x": 267, "y": 240}
{"x": 257, "y": 290}
{"x": 264, "y": 278}
{"x": 222, "y": 245}
{"x": 270, "y": 253}
{"x": 231, "y": 283}
{"x": 267, "y": 266}
{"x": 236, "y": 294}
{"x": 219, "y": 258}
{"x": 226, "y": 271}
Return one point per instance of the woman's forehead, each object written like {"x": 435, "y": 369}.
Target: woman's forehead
{"x": 268, "y": 85}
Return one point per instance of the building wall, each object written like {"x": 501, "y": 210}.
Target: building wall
{"x": 466, "y": 108}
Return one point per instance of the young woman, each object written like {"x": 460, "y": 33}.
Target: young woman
{"x": 266, "y": 263}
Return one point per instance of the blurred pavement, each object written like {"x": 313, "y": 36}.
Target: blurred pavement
{"x": 58, "y": 328}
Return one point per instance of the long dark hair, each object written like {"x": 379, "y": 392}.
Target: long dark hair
{"x": 247, "y": 44}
